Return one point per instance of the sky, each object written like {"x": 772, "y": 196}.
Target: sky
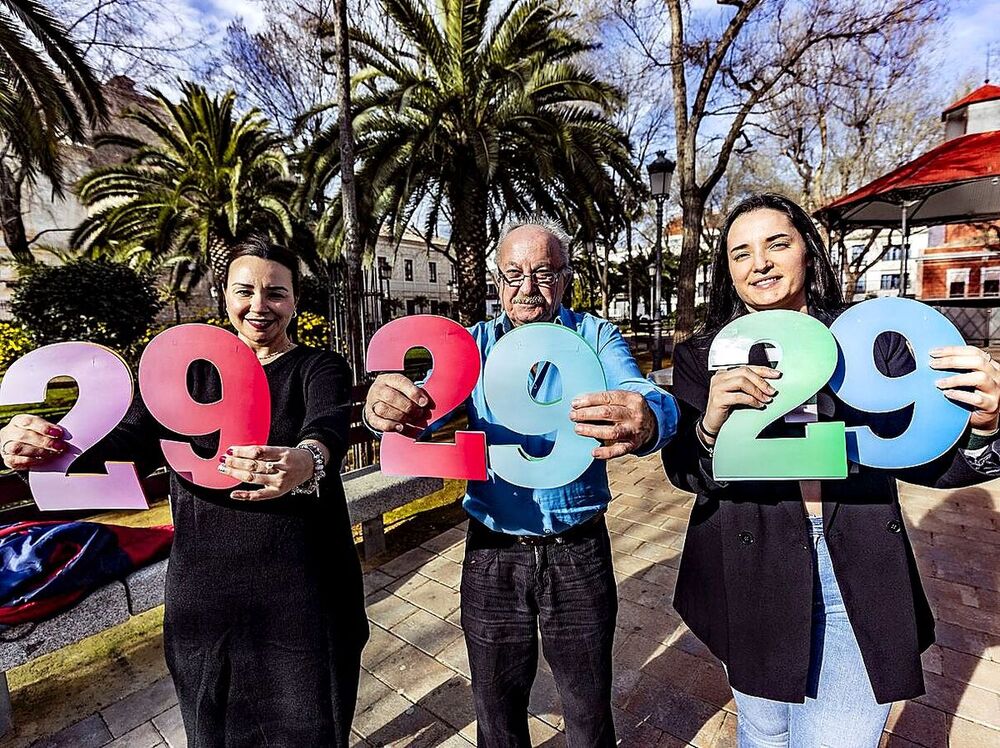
{"x": 972, "y": 27}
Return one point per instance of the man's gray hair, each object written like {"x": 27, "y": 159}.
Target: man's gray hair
{"x": 548, "y": 225}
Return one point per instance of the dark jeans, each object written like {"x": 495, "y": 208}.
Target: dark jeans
{"x": 567, "y": 591}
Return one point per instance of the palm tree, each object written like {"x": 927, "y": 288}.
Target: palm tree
{"x": 205, "y": 180}
{"x": 47, "y": 93}
{"x": 471, "y": 119}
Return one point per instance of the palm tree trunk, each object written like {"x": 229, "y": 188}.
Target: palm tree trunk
{"x": 469, "y": 205}
{"x": 218, "y": 261}
{"x": 11, "y": 217}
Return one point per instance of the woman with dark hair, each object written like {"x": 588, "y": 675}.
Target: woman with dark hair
{"x": 808, "y": 592}
{"x": 264, "y": 618}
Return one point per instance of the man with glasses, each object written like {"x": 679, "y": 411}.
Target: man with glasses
{"x": 539, "y": 560}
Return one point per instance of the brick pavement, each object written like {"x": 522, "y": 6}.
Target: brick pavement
{"x": 668, "y": 689}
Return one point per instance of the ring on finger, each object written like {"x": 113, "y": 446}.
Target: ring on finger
{"x": 3, "y": 448}
{"x": 269, "y": 468}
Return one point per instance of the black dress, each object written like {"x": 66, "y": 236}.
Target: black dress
{"x": 264, "y": 617}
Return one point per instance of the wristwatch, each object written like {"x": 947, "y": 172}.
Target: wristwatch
{"x": 319, "y": 470}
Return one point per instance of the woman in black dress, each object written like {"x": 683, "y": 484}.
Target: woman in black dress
{"x": 264, "y": 612}
{"x": 807, "y": 591}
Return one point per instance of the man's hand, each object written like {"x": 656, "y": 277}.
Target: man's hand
{"x": 622, "y": 421}
{"x": 394, "y": 403}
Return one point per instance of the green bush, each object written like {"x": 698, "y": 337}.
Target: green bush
{"x": 313, "y": 330}
{"x": 94, "y": 300}
{"x": 14, "y": 343}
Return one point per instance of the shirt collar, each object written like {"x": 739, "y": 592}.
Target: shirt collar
{"x": 503, "y": 325}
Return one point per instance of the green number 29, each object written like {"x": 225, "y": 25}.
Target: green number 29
{"x": 808, "y": 359}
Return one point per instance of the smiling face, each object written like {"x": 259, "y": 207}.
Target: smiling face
{"x": 260, "y": 301}
{"x": 526, "y": 250}
{"x": 768, "y": 261}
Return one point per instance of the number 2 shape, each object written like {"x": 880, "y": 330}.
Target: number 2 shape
{"x": 456, "y": 370}
{"x": 808, "y": 358}
{"x": 105, "y": 387}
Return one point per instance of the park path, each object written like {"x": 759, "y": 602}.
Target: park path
{"x": 669, "y": 691}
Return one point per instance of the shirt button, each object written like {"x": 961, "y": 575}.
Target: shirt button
{"x": 894, "y": 526}
{"x": 548, "y": 532}
{"x": 746, "y": 538}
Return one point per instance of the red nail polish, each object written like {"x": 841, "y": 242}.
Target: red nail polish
{"x": 222, "y": 459}
{"x": 229, "y": 452}
{"x": 54, "y": 431}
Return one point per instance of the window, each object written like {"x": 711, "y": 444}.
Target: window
{"x": 957, "y": 280}
{"x": 408, "y": 270}
{"x": 991, "y": 282}
{"x": 890, "y": 281}
{"x": 384, "y": 270}
{"x": 454, "y": 274}
{"x": 432, "y": 269}
{"x": 857, "y": 250}
{"x": 893, "y": 253}
{"x": 859, "y": 284}
{"x": 491, "y": 291}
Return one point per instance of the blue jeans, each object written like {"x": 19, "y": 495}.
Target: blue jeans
{"x": 564, "y": 591}
{"x": 840, "y": 710}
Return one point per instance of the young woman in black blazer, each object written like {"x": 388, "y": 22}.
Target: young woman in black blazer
{"x": 808, "y": 592}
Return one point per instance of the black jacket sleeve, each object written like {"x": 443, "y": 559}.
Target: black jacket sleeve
{"x": 687, "y": 464}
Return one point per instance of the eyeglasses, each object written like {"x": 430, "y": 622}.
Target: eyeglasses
{"x": 541, "y": 278}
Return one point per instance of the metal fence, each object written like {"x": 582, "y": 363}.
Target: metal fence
{"x": 978, "y": 325}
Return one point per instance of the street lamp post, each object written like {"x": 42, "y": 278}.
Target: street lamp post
{"x": 661, "y": 169}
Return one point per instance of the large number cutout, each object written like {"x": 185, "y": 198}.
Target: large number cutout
{"x": 105, "y": 387}
{"x": 937, "y": 422}
{"x": 808, "y": 358}
{"x": 505, "y": 385}
{"x": 242, "y": 416}
{"x": 456, "y": 370}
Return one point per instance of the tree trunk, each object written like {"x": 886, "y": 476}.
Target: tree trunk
{"x": 218, "y": 261}
{"x": 352, "y": 249}
{"x": 468, "y": 203}
{"x": 10, "y": 215}
{"x": 693, "y": 207}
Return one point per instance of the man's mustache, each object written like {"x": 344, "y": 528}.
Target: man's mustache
{"x": 530, "y": 300}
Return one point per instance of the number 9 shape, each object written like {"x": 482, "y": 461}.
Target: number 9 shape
{"x": 242, "y": 416}
{"x": 505, "y": 386}
{"x": 937, "y": 422}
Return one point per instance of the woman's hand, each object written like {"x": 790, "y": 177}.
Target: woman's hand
{"x": 277, "y": 469}
{"x": 28, "y": 441}
{"x": 741, "y": 385}
{"x": 980, "y": 374}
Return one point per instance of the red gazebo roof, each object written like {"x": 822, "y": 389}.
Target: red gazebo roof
{"x": 960, "y": 179}
{"x": 986, "y": 92}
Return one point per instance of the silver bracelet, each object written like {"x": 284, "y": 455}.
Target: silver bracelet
{"x": 319, "y": 470}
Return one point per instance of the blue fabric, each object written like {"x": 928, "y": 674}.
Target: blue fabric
{"x": 515, "y": 510}
{"x": 840, "y": 708}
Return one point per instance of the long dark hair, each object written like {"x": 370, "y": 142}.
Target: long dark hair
{"x": 822, "y": 287}
{"x": 258, "y": 246}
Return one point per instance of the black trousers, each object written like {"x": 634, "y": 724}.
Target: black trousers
{"x": 566, "y": 591}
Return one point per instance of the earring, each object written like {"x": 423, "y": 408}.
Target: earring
{"x": 295, "y": 313}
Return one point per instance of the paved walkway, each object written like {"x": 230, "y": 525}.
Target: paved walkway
{"x": 668, "y": 690}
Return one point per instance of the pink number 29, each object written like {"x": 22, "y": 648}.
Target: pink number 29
{"x": 105, "y": 386}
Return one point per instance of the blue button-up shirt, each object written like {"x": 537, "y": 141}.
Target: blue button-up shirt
{"x": 515, "y": 510}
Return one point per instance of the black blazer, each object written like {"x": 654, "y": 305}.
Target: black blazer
{"x": 745, "y": 583}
